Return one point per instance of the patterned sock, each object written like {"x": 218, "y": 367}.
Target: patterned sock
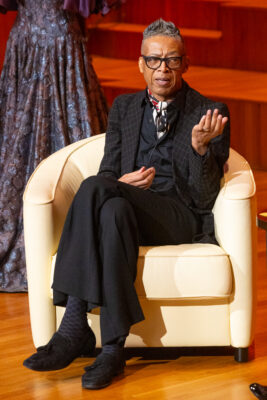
{"x": 74, "y": 323}
{"x": 115, "y": 346}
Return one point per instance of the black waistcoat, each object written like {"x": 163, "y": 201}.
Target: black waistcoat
{"x": 157, "y": 153}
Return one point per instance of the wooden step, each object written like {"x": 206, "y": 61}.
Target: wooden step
{"x": 244, "y": 30}
{"x": 124, "y": 41}
{"x": 245, "y": 93}
{"x": 239, "y": 26}
{"x": 139, "y": 29}
{"x": 249, "y": 4}
{"x": 218, "y": 82}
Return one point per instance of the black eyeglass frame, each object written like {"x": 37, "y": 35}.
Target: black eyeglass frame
{"x": 165, "y": 59}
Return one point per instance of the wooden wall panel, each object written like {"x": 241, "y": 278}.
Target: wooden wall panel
{"x": 185, "y": 13}
{"x": 244, "y": 33}
{"x": 204, "y": 48}
{"x": 247, "y": 130}
{"x": 263, "y": 137}
{"x": 243, "y": 28}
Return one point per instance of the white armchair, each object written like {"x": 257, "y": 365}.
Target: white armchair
{"x": 191, "y": 294}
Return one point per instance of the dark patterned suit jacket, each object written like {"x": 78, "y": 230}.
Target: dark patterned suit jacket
{"x": 197, "y": 178}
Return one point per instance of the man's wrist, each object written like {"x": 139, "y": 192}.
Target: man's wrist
{"x": 200, "y": 149}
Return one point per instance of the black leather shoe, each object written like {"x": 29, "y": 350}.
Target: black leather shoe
{"x": 60, "y": 352}
{"x": 102, "y": 371}
{"x": 259, "y": 391}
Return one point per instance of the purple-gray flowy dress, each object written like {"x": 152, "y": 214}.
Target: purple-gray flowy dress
{"x": 49, "y": 97}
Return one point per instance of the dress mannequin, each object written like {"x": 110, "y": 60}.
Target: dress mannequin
{"x": 49, "y": 97}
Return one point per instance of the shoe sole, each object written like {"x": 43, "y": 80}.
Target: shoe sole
{"x": 96, "y": 387}
{"x": 83, "y": 353}
{"x": 32, "y": 368}
{"x": 46, "y": 369}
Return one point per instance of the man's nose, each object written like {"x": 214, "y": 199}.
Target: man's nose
{"x": 163, "y": 66}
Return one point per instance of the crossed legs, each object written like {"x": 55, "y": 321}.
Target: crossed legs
{"x": 97, "y": 257}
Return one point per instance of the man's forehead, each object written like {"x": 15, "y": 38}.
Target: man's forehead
{"x": 165, "y": 43}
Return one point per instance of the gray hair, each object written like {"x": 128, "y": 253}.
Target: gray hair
{"x": 162, "y": 28}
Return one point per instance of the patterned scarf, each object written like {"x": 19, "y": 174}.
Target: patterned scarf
{"x": 159, "y": 114}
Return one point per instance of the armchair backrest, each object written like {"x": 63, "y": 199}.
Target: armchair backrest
{"x": 88, "y": 158}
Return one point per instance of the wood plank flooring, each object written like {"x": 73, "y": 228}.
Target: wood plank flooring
{"x": 184, "y": 378}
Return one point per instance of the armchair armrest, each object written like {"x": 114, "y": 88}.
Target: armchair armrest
{"x": 46, "y": 201}
{"x": 238, "y": 182}
{"x": 235, "y": 229}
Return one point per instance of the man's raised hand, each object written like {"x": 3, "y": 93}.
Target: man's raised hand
{"x": 142, "y": 178}
{"x": 210, "y": 126}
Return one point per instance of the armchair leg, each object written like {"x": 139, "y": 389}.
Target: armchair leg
{"x": 241, "y": 354}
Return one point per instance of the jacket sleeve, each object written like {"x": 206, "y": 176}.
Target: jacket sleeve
{"x": 111, "y": 163}
{"x": 205, "y": 172}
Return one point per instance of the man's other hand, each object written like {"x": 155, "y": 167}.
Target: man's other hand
{"x": 142, "y": 178}
{"x": 210, "y": 126}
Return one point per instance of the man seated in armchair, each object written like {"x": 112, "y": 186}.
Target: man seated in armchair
{"x": 165, "y": 150}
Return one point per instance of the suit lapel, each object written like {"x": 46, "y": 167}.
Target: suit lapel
{"x": 188, "y": 118}
{"x": 131, "y": 126}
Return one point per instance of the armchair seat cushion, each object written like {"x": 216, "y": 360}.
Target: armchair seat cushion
{"x": 184, "y": 271}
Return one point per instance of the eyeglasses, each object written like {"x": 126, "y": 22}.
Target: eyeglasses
{"x": 155, "y": 62}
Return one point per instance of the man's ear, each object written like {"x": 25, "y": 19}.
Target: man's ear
{"x": 186, "y": 64}
{"x": 141, "y": 64}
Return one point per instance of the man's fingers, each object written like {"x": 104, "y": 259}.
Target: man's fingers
{"x": 214, "y": 119}
{"x": 217, "y": 124}
{"x": 141, "y": 178}
{"x": 207, "y": 121}
{"x": 131, "y": 178}
{"x": 148, "y": 172}
{"x": 209, "y": 126}
{"x": 201, "y": 123}
{"x": 139, "y": 175}
{"x": 142, "y": 169}
{"x": 220, "y": 124}
{"x": 145, "y": 183}
{"x": 147, "y": 180}
{"x": 224, "y": 121}
{"x": 211, "y": 121}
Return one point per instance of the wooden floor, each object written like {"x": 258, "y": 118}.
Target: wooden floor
{"x": 184, "y": 378}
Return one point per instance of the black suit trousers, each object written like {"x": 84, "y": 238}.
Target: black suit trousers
{"x": 98, "y": 250}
